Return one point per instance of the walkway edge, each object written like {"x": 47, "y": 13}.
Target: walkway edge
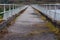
{"x": 5, "y": 23}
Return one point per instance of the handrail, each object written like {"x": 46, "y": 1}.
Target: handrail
{"x": 15, "y": 9}
{"x": 45, "y": 9}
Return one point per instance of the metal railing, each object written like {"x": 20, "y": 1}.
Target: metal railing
{"x": 10, "y": 14}
{"x": 52, "y": 11}
{"x": 9, "y": 10}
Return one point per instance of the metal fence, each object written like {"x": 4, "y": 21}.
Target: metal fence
{"x": 51, "y": 10}
{"x": 9, "y": 9}
{"x": 10, "y": 14}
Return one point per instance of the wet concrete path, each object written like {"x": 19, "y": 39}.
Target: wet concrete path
{"x": 29, "y": 26}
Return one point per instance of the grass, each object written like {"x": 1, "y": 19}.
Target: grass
{"x": 1, "y": 10}
{"x": 1, "y": 18}
{"x": 51, "y": 27}
{"x": 1, "y": 15}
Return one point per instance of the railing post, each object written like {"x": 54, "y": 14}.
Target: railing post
{"x": 4, "y": 16}
{"x": 55, "y": 12}
{"x": 46, "y": 9}
{"x": 49, "y": 10}
{"x": 10, "y": 10}
{"x": 15, "y": 6}
{"x": 13, "y": 10}
{"x": 55, "y": 17}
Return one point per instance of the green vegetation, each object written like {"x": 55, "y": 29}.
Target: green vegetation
{"x": 48, "y": 24}
{"x": 51, "y": 26}
{"x": 1, "y": 15}
{"x": 7, "y": 9}
{"x": 1, "y": 10}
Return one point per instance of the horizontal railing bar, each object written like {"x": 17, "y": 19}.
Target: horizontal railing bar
{"x": 9, "y": 4}
{"x": 49, "y": 4}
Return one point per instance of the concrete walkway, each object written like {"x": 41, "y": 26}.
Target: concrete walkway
{"x": 29, "y": 26}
